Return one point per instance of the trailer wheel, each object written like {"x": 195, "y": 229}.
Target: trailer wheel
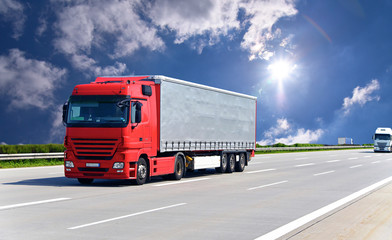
{"x": 223, "y": 164}
{"x": 178, "y": 168}
{"x": 231, "y": 164}
{"x": 240, "y": 165}
{"x": 85, "y": 180}
{"x": 142, "y": 172}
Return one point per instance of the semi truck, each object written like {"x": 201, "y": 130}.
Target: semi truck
{"x": 383, "y": 139}
{"x": 138, "y": 127}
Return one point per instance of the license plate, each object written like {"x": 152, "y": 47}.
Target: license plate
{"x": 92, "y": 164}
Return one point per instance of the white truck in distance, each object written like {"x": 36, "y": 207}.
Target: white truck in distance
{"x": 382, "y": 140}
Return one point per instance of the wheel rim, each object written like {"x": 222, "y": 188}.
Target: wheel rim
{"x": 179, "y": 168}
{"x": 242, "y": 161}
{"x": 232, "y": 161}
{"x": 224, "y": 161}
{"x": 142, "y": 171}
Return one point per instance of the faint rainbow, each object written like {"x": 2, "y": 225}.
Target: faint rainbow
{"x": 311, "y": 21}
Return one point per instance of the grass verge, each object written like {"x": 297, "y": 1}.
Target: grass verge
{"x": 31, "y": 163}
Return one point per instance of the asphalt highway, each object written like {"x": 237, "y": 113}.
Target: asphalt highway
{"x": 274, "y": 193}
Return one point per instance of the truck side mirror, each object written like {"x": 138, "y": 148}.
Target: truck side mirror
{"x": 373, "y": 137}
{"x": 138, "y": 116}
{"x": 136, "y": 113}
{"x": 65, "y": 112}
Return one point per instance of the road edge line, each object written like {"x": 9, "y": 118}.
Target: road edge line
{"x": 286, "y": 229}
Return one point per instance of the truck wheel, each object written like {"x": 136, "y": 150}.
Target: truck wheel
{"x": 142, "y": 172}
{"x": 240, "y": 165}
{"x": 223, "y": 164}
{"x": 85, "y": 180}
{"x": 178, "y": 168}
{"x": 231, "y": 164}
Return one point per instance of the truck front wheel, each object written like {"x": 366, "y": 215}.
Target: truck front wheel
{"x": 142, "y": 172}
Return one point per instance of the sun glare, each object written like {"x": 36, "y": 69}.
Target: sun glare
{"x": 281, "y": 69}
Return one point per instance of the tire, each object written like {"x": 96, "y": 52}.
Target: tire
{"x": 178, "y": 168}
{"x": 85, "y": 181}
{"x": 142, "y": 172}
{"x": 231, "y": 164}
{"x": 240, "y": 165}
{"x": 223, "y": 164}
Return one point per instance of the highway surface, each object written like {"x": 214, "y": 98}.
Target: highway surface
{"x": 273, "y": 192}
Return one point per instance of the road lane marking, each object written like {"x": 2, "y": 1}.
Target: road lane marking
{"x": 180, "y": 182}
{"x": 255, "y": 163}
{"x": 304, "y": 165}
{"x": 33, "y": 203}
{"x": 389, "y": 159}
{"x": 126, "y": 216}
{"x": 352, "y": 158}
{"x": 376, "y": 162}
{"x": 263, "y": 170}
{"x": 360, "y": 165}
{"x": 367, "y": 156}
{"x": 267, "y": 185}
{"x": 301, "y": 158}
{"x": 332, "y": 161}
{"x": 323, "y": 173}
{"x": 285, "y": 229}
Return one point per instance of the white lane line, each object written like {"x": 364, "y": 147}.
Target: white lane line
{"x": 304, "y": 165}
{"x": 55, "y": 173}
{"x": 352, "y": 158}
{"x": 332, "y": 161}
{"x": 367, "y": 156}
{"x": 376, "y": 162}
{"x": 33, "y": 203}
{"x": 360, "y": 165}
{"x": 255, "y": 163}
{"x": 323, "y": 173}
{"x": 389, "y": 159}
{"x": 180, "y": 182}
{"x": 263, "y": 170}
{"x": 285, "y": 229}
{"x": 301, "y": 158}
{"x": 267, "y": 185}
{"x": 126, "y": 216}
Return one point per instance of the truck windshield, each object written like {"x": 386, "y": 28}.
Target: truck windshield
{"x": 97, "y": 111}
{"x": 383, "y": 137}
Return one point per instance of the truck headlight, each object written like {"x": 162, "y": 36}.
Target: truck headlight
{"x": 118, "y": 165}
{"x": 69, "y": 164}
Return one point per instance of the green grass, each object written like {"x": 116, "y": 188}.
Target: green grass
{"x": 30, "y": 163}
{"x": 31, "y": 148}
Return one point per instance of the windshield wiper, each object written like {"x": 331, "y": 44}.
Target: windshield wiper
{"x": 124, "y": 102}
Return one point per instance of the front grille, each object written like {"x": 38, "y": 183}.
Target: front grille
{"x": 94, "y": 148}
{"x": 93, "y": 169}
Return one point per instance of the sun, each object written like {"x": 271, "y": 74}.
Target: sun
{"x": 281, "y": 69}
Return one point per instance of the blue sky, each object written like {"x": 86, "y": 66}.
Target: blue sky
{"x": 320, "y": 69}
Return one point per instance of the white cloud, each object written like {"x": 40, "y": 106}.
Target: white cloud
{"x": 119, "y": 27}
{"x": 361, "y": 96}
{"x": 262, "y": 15}
{"x": 283, "y": 132}
{"x": 114, "y": 27}
{"x": 28, "y": 82}
{"x": 214, "y": 18}
{"x": 12, "y": 11}
{"x": 191, "y": 18}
